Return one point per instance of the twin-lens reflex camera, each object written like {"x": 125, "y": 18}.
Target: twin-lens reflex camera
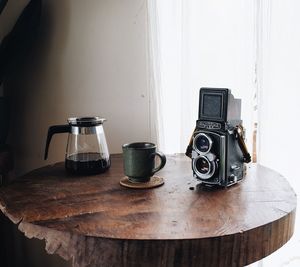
{"x": 217, "y": 146}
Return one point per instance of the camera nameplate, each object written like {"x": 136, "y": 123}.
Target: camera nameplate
{"x": 209, "y": 125}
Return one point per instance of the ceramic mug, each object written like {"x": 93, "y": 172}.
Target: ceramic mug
{"x": 139, "y": 161}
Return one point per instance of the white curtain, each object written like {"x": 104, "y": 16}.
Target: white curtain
{"x": 251, "y": 47}
{"x": 200, "y": 44}
{"x": 279, "y": 105}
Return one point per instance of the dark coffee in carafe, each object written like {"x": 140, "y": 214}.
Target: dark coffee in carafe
{"x": 87, "y": 163}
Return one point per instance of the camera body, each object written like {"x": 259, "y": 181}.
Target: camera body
{"x": 217, "y": 146}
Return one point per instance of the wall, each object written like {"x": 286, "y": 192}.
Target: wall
{"x": 90, "y": 59}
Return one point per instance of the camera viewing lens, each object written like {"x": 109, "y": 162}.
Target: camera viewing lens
{"x": 203, "y": 165}
{"x": 202, "y": 143}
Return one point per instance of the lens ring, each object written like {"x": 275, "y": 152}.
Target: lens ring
{"x": 203, "y": 167}
{"x": 202, "y": 143}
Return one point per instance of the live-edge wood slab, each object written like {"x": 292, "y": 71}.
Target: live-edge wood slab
{"x": 96, "y": 222}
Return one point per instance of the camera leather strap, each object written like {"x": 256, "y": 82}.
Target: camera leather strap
{"x": 239, "y": 131}
{"x": 189, "y": 148}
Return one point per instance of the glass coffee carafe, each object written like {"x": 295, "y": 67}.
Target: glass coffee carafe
{"x": 87, "y": 151}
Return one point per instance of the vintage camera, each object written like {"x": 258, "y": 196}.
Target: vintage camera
{"x": 217, "y": 146}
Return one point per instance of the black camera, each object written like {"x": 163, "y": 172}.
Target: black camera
{"x": 217, "y": 146}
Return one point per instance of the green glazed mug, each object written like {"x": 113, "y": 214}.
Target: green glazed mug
{"x": 139, "y": 161}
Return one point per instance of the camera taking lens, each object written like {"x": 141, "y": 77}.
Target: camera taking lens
{"x": 204, "y": 167}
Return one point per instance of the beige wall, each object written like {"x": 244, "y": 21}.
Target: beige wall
{"x": 90, "y": 59}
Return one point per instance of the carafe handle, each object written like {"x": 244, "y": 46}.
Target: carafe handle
{"x": 54, "y": 130}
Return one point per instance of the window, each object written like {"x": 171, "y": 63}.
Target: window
{"x": 251, "y": 47}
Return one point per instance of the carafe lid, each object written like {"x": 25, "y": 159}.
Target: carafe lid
{"x": 86, "y": 121}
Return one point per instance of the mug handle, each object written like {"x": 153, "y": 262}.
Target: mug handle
{"x": 163, "y": 161}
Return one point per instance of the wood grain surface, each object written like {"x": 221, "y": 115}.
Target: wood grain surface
{"x": 97, "y": 222}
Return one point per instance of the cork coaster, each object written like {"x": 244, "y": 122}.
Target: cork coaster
{"x": 154, "y": 181}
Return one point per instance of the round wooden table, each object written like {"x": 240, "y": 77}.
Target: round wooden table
{"x": 96, "y": 222}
